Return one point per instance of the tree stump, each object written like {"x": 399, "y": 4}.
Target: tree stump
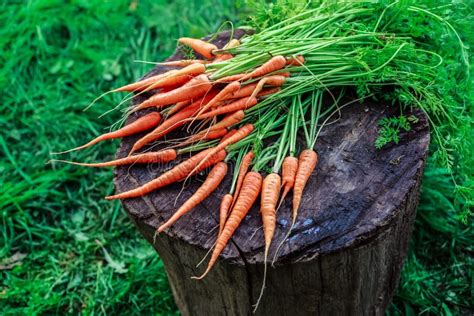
{"x": 346, "y": 251}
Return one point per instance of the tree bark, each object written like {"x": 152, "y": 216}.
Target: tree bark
{"x": 346, "y": 251}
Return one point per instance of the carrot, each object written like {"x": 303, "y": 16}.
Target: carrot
{"x": 195, "y": 88}
{"x": 224, "y": 210}
{"x": 289, "y": 168}
{"x": 222, "y": 57}
{"x": 172, "y": 123}
{"x": 170, "y": 83}
{"x": 215, "y": 177}
{"x": 270, "y": 192}
{"x": 238, "y": 105}
{"x": 182, "y": 62}
{"x": 178, "y": 77}
{"x": 268, "y": 91}
{"x": 244, "y": 166}
{"x": 228, "y": 135}
{"x": 142, "y": 84}
{"x": 233, "y": 43}
{"x": 274, "y": 64}
{"x": 141, "y": 124}
{"x": 153, "y": 157}
{"x": 275, "y": 80}
{"x": 254, "y": 89}
{"x": 250, "y": 191}
{"x": 268, "y": 201}
{"x": 178, "y": 107}
{"x": 178, "y": 173}
{"x": 207, "y": 135}
{"x": 243, "y": 132}
{"x": 284, "y": 74}
{"x": 306, "y": 164}
{"x": 295, "y": 61}
{"x": 228, "y": 90}
{"x": 203, "y": 48}
{"x": 201, "y": 101}
{"x": 245, "y": 91}
{"x": 230, "y": 78}
{"x": 228, "y": 120}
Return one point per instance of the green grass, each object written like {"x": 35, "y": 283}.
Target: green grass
{"x": 80, "y": 254}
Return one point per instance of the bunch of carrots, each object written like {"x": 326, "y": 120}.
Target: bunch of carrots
{"x": 266, "y": 88}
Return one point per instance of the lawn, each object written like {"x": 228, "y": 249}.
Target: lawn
{"x": 66, "y": 250}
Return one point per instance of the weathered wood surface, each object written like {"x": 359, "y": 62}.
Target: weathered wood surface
{"x": 346, "y": 251}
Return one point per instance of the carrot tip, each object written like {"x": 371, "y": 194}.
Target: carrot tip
{"x": 203, "y": 275}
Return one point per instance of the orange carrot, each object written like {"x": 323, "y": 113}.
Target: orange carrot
{"x": 243, "y": 132}
{"x": 170, "y": 83}
{"x": 228, "y": 90}
{"x": 222, "y": 57}
{"x": 172, "y": 123}
{"x": 274, "y": 64}
{"x": 178, "y": 77}
{"x": 207, "y": 135}
{"x": 245, "y": 91}
{"x": 178, "y": 107}
{"x": 268, "y": 201}
{"x": 141, "y": 124}
{"x": 195, "y": 88}
{"x": 224, "y": 210}
{"x": 268, "y": 91}
{"x": 215, "y": 134}
{"x": 233, "y": 43}
{"x": 295, "y": 61}
{"x": 250, "y": 89}
{"x": 284, "y": 74}
{"x": 183, "y": 62}
{"x": 215, "y": 177}
{"x": 230, "y": 78}
{"x": 275, "y": 80}
{"x": 178, "y": 173}
{"x": 238, "y": 105}
{"x": 143, "y": 84}
{"x": 152, "y": 157}
{"x": 244, "y": 166}
{"x": 270, "y": 192}
{"x": 228, "y": 135}
{"x": 289, "y": 168}
{"x": 250, "y": 191}
{"x": 306, "y": 164}
{"x": 203, "y": 48}
{"x": 228, "y": 120}
{"x": 201, "y": 101}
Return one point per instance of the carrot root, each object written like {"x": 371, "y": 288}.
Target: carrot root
{"x": 195, "y": 88}
{"x": 178, "y": 173}
{"x": 211, "y": 183}
{"x": 249, "y": 193}
{"x": 199, "y": 46}
{"x": 224, "y": 210}
{"x": 269, "y": 199}
{"x": 140, "y": 125}
{"x": 152, "y": 157}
